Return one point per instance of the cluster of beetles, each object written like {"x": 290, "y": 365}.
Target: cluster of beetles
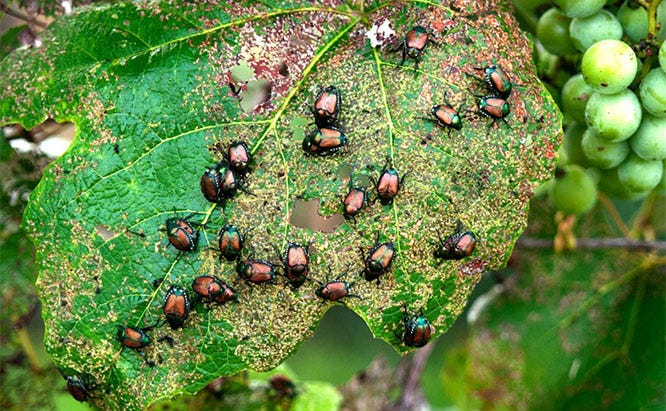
{"x": 223, "y": 181}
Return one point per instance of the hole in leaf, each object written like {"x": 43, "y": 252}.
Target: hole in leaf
{"x": 258, "y": 92}
{"x": 305, "y": 214}
{"x": 104, "y": 232}
{"x": 241, "y": 73}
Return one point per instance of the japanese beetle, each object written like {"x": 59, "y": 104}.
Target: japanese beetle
{"x": 327, "y": 107}
{"x": 494, "y": 107}
{"x": 296, "y": 264}
{"x": 220, "y": 183}
{"x": 226, "y": 294}
{"x": 230, "y": 242}
{"x": 181, "y": 234}
{"x": 324, "y": 141}
{"x": 457, "y": 246}
{"x": 417, "y": 329}
{"x": 444, "y": 115}
{"x": 207, "y": 287}
{"x": 378, "y": 261}
{"x": 229, "y": 183}
{"x": 133, "y": 337}
{"x": 354, "y": 201}
{"x": 78, "y": 388}
{"x": 414, "y": 44}
{"x": 497, "y": 80}
{"x": 176, "y": 306}
{"x": 335, "y": 290}
{"x": 388, "y": 184}
{"x": 211, "y": 185}
{"x": 256, "y": 271}
{"x": 283, "y": 386}
{"x": 239, "y": 157}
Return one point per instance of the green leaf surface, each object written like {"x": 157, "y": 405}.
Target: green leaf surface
{"x": 569, "y": 332}
{"x": 147, "y": 86}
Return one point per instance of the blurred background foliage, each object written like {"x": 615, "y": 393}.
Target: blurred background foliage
{"x": 574, "y": 329}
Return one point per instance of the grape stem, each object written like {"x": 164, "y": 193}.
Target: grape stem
{"x": 14, "y": 13}
{"x": 612, "y": 211}
{"x": 596, "y": 243}
{"x": 409, "y": 374}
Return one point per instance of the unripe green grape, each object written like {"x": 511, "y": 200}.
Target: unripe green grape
{"x": 553, "y": 33}
{"x": 575, "y": 94}
{"x": 649, "y": 141}
{"x": 661, "y": 21}
{"x": 639, "y": 175}
{"x": 609, "y": 66}
{"x": 579, "y": 8}
{"x": 601, "y": 153}
{"x": 572, "y": 143}
{"x": 653, "y": 92}
{"x": 662, "y": 56}
{"x": 601, "y": 25}
{"x": 574, "y": 192}
{"x": 530, "y": 6}
{"x": 634, "y": 21}
{"x": 610, "y": 184}
{"x": 613, "y": 117}
{"x": 562, "y": 157}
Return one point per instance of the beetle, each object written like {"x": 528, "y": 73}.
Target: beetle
{"x": 256, "y": 271}
{"x": 457, "y": 246}
{"x": 379, "y": 260}
{"x": 239, "y": 157}
{"x": 230, "y": 183}
{"x": 497, "y": 80}
{"x": 79, "y": 387}
{"x": 354, "y": 201}
{"x": 230, "y": 242}
{"x": 334, "y": 290}
{"x": 446, "y": 116}
{"x": 207, "y": 287}
{"x": 176, "y": 306}
{"x": 135, "y": 338}
{"x": 296, "y": 264}
{"x": 414, "y": 45}
{"x": 181, "y": 233}
{"x": 388, "y": 184}
{"x": 324, "y": 141}
{"x": 283, "y": 386}
{"x": 493, "y": 107}
{"x": 417, "y": 329}
{"x": 327, "y": 107}
{"x": 211, "y": 184}
{"x": 226, "y": 294}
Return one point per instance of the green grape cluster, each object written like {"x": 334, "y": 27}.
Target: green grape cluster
{"x": 605, "y": 63}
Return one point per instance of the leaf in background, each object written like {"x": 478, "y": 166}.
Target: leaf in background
{"x": 147, "y": 86}
{"x": 581, "y": 330}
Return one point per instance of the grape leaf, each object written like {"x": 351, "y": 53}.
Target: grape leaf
{"x": 147, "y": 85}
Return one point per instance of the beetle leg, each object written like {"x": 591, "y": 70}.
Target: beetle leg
{"x": 245, "y": 190}
{"x": 404, "y": 55}
{"x": 143, "y": 355}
